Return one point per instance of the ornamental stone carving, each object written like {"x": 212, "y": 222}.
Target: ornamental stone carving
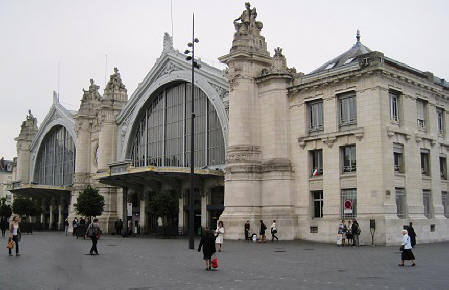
{"x": 168, "y": 42}
{"x": 246, "y": 23}
{"x": 247, "y": 32}
{"x": 115, "y": 89}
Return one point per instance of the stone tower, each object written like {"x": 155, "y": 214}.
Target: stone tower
{"x": 27, "y": 132}
{"x": 114, "y": 98}
{"x": 96, "y": 142}
{"x": 258, "y": 168}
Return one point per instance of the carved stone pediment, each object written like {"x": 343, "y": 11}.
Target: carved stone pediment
{"x": 168, "y": 68}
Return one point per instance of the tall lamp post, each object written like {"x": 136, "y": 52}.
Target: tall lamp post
{"x": 192, "y": 131}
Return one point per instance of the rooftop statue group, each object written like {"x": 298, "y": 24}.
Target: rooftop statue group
{"x": 248, "y": 23}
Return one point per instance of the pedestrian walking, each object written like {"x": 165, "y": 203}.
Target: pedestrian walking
{"x": 119, "y": 226}
{"x": 412, "y": 234}
{"x": 247, "y": 228}
{"x": 274, "y": 230}
{"x": 349, "y": 235}
{"x": 74, "y": 225}
{"x": 66, "y": 226}
{"x": 263, "y": 228}
{"x": 219, "y": 234}
{"x": 341, "y": 236}
{"x": 355, "y": 229}
{"x": 3, "y": 226}
{"x": 207, "y": 242}
{"x": 14, "y": 234}
{"x": 406, "y": 249}
{"x": 93, "y": 232}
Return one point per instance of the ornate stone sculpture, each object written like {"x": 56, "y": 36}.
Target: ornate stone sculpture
{"x": 168, "y": 42}
{"x": 248, "y": 24}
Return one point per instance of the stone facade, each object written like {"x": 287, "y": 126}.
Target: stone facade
{"x": 361, "y": 137}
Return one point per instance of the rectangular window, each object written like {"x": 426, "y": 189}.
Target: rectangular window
{"x": 394, "y": 106}
{"x": 445, "y": 201}
{"x": 421, "y": 106}
{"x": 317, "y": 162}
{"x": 398, "y": 157}
{"x": 401, "y": 203}
{"x": 349, "y": 158}
{"x": 426, "y": 199}
{"x": 349, "y": 203}
{"x": 443, "y": 168}
{"x": 440, "y": 120}
{"x": 317, "y": 204}
{"x": 348, "y": 109}
{"x": 425, "y": 162}
{"x": 315, "y": 112}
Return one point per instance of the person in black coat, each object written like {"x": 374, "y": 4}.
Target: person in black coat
{"x": 207, "y": 242}
{"x": 412, "y": 234}
{"x": 263, "y": 228}
{"x": 247, "y": 228}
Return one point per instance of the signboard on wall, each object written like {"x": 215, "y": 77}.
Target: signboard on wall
{"x": 129, "y": 207}
{"x": 347, "y": 207}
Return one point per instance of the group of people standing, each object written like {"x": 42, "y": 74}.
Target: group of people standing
{"x": 262, "y": 230}
{"x": 348, "y": 233}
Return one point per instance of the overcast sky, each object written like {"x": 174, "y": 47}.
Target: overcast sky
{"x": 37, "y": 35}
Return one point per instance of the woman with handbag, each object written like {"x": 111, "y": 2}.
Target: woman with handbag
{"x": 219, "y": 234}
{"x": 14, "y": 234}
{"x": 207, "y": 242}
{"x": 406, "y": 249}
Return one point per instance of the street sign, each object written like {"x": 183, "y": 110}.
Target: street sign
{"x": 130, "y": 208}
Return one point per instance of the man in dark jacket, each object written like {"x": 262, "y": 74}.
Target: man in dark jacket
{"x": 263, "y": 228}
{"x": 207, "y": 242}
{"x": 412, "y": 234}
{"x": 355, "y": 230}
{"x": 247, "y": 227}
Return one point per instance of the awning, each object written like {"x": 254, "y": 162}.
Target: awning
{"x": 125, "y": 175}
{"x": 39, "y": 190}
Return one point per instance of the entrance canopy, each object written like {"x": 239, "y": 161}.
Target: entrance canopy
{"x": 39, "y": 190}
{"x": 123, "y": 174}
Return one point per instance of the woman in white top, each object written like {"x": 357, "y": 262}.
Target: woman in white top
{"x": 406, "y": 249}
{"x": 219, "y": 234}
{"x": 14, "y": 233}
{"x": 274, "y": 230}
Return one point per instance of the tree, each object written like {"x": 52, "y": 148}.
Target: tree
{"x": 164, "y": 204}
{"x": 5, "y": 209}
{"x": 23, "y": 206}
{"x": 89, "y": 203}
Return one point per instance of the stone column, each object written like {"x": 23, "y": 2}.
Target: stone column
{"x": 143, "y": 213}
{"x": 124, "y": 210}
{"x": 204, "y": 199}
{"x": 52, "y": 206}
{"x": 43, "y": 208}
{"x": 60, "y": 217}
{"x": 181, "y": 213}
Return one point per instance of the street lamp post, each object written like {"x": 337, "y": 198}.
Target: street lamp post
{"x": 192, "y": 132}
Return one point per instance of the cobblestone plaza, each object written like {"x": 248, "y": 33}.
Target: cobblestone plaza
{"x": 54, "y": 261}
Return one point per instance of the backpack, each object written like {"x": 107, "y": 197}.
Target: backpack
{"x": 92, "y": 231}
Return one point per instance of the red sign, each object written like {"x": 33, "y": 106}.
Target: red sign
{"x": 347, "y": 206}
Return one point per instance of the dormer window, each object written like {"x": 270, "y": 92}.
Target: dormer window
{"x": 349, "y": 60}
{"x": 331, "y": 65}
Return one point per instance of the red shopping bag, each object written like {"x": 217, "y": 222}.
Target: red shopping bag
{"x": 214, "y": 262}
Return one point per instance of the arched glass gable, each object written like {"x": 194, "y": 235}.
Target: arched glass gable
{"x": 55, "y": 162}
{"x": 162, "y": 135}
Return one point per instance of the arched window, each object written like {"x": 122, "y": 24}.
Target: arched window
{"x": 55, "y": 162}
{"x": 162, "y": 135}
